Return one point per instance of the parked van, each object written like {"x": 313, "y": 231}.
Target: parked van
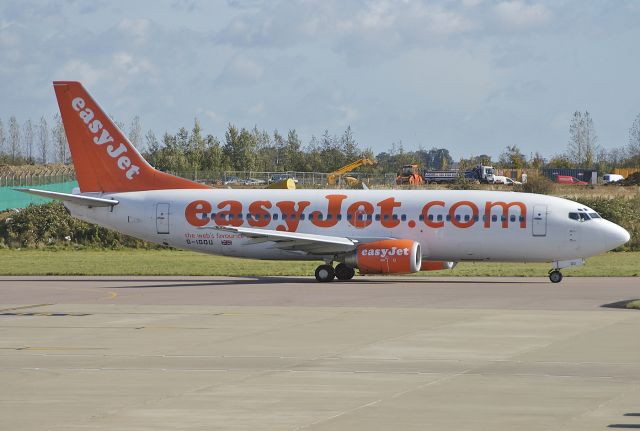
{"x": 611, "y": 178}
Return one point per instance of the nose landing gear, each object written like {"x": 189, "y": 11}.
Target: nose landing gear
{"x": 555, "y": 276}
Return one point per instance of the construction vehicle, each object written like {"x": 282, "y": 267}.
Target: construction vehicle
{"x": 338, "y": 175}
{"x": 410, "y": 174}
{"x": 480, "y": 173}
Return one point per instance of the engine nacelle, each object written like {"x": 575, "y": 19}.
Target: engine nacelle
{"x": 436, "y": 265}
{"x": 389, "y": 256}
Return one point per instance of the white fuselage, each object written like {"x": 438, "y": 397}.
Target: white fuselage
{"x": 450, "y": 225}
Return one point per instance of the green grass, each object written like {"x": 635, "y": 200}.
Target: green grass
{"x": 634, "y": 304}
{"x": 174, "y": 262}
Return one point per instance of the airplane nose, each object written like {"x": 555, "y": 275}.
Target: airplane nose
{"x": 615, "y": 236}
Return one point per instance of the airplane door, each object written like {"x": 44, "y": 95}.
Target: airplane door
{"x": 539, "y": 224}
{"x": 162, "y": 218}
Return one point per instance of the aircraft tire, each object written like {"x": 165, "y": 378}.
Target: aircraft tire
{"x": 344, "y": 272}
{"x": 555, "y": 276}
{"x": 325, "y": 273}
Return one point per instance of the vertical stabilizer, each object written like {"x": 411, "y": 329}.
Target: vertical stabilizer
{"x": 104, "y": 159}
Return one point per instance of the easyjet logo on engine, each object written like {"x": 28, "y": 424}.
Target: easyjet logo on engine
{"x": 359, "y": 214}
{"x": 102, "y": 136}
{"x": 384, "y": 252}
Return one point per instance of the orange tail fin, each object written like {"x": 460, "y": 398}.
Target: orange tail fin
{"x": 104, "y": 159}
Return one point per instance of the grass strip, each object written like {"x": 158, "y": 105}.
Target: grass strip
{"x": 176, "y": 262}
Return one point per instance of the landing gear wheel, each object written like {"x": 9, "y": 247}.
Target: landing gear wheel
{"x": 555, "y": 276}
{"x": 344, "y": 272}
{"x": 325, "y": 273}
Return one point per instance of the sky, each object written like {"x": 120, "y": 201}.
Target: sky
{"x": 472, "y": 76}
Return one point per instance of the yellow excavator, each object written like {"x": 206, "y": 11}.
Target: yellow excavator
{"x": 333, "y": 177}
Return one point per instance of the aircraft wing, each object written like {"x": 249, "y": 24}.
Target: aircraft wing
{"x": 294, "y": 241}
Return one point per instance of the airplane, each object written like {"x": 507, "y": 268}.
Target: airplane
{"x": 372, "y": 231}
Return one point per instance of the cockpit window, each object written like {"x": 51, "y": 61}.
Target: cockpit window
{"x": 595, "y": 215}
{"x": 579, "y": 216}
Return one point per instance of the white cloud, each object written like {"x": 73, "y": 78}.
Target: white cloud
{"x": 256, "y": 108}
{"x": 78, "y": 70}
{"x": 517, "y": 13}
{"x": 241, "y": 70}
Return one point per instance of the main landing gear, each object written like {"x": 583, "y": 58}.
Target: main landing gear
{"x": 326, "y": 272}
{"x": 555, "y": 276}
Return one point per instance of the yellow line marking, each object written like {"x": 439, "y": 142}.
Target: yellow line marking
{"x": 113, "y": 295}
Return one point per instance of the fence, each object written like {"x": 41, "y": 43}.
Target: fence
{"x": 625, "y": 172}
{"x": 9, "y": 198}
{"x": 303, "y": 179}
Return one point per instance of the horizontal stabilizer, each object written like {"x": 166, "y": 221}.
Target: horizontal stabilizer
{"x": 75, "y": 199}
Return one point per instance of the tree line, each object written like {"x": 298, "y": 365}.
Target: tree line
{"x": 253, "y": 149}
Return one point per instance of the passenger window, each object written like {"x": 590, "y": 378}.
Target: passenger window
{"x": 339, "y": 216}
{"x": 494, "y": 218}
{"x": 448, "y": 217}
{"x": 439, "y": 217}
{"x": 430, "y": 217}
{"x": 329, "y": 216}
{"x": 293, "y": 216}
{"x": 403, "y": 217}
{"x": 275, "y": 216}
{"x": 457, "y": 217}
{"x": 467, "y": 217}
{"x": 421, "y": 217}
{"x": 240, "y": 216}
{"x": 284, "y": 216}
{"x": 521, "y": 218}
{"x": 349, "y": 216}
{"x": 512, "y": 218}
{"x": 302, "y": 216}
{"x": 377, "y": 217}
{"x": 395, "y": 217}
{"x": 369, "y": 217}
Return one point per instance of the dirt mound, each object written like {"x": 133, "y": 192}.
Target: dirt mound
{"x": 631, "y": 180}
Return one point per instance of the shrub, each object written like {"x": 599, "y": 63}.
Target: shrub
{"x": 50, "y": 224}
{"x": 619, "y": 210}
{"x": 536, "y": 184}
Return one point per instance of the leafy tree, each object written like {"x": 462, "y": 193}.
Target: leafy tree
{"x": 583, "y": 140}
{"x": 60, "y": 140}
{"x": 512, "y": 158}
{"x": 14, "y": 139}
{"x": 633, "y": 148}
{"x": 135, "y": 133}
{"x": 27, "y": 131}
{"x": 3, "y": 138}
{"x": 293, "y": 151}
{"x": 43, "y": 139}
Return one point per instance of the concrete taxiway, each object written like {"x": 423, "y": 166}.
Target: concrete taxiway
{"x": 154, "y": 353}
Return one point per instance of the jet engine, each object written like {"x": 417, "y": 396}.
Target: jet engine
{"x": 389, "y": 256}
